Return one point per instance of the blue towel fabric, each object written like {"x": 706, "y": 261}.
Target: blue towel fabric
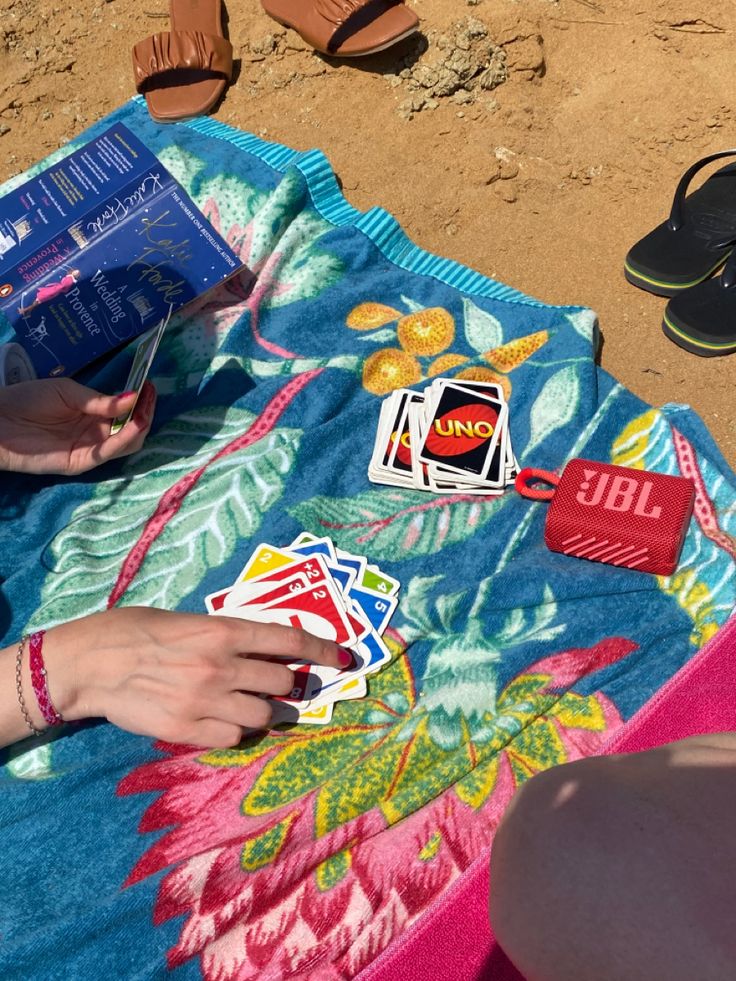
{"x": 307, "y": 852}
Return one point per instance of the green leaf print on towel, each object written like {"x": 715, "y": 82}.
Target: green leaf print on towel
{"x": 396, "y": 524}
{"x": 224, "y": 506}
{"x": 279, "y": 241}
{"x": 554, "y": 407}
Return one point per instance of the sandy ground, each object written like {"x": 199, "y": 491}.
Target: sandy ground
{"x": 534, "y": 141}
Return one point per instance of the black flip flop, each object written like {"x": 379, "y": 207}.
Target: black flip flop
{"x": 696, "y": 239}
{"x": 702, "y": 320}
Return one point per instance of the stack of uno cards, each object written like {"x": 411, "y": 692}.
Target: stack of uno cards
{"x": 452, "y": 437}
{"x": 331, "y": 593}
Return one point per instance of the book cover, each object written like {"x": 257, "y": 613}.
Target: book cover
{"x": 97, "y": 249}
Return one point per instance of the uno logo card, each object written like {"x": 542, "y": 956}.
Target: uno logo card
{"x": 392, "y": 429}
{"x": 400, "y": 455}
{"x": 463, "y": 432}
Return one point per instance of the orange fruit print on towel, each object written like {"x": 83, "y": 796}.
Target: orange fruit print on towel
{"x": 426, "y": 332}
{"x": 388, "y": 369}
{"x": 369, "y": 316}
{"x": 425, "y": 335}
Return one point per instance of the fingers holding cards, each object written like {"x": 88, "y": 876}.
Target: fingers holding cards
{"x": 142, "y": 360}
{"x": 328, "y": 594}
{"x": 130, "y": 438}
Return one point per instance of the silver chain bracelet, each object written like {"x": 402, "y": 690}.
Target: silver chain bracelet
{"x": 19, "y": 686}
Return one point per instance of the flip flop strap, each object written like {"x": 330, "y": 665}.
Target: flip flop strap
{"x": 171, "y": 50}
{"x": 727, "y": 279}
{"x": 677, "y": 214}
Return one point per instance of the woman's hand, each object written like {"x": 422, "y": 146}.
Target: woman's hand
{"x": 55, "y": 425}
{"x": 181, "y": 677}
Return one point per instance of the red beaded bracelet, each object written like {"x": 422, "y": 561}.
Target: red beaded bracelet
{"x": 39, "y": 681}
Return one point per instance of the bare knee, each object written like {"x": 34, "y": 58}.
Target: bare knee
{"x": 603, "y": 867}
{"x": 528, "y": 852}
{"x": 548, "y": 860}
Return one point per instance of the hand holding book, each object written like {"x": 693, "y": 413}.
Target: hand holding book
{"x": 59, "y": 426}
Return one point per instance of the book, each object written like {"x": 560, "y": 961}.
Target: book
{"x": 99, "y": 248}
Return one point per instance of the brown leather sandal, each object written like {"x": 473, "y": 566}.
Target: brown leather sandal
{"x": 183, "y": 72}
{"x": 345, "y": 28}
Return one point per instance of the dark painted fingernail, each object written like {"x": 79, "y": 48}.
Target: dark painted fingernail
{"x": 344, "y": 657}
{"x": 126, "y": 395}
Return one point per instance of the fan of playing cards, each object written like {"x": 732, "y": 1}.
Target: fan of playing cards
{"x": 331, "y": 593}
{"x": 453, "y": 436}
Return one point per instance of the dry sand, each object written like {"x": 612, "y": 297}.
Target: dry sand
{"x": 535, "y": 142}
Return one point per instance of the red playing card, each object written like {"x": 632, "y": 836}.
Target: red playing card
{"x": 216, "y": 601}
{"x": 254, "y": 591}
{"x": 317, "y": 610}
{"x": 270, "y": 593}
{"x": 317, "y": 571}
{"x": 359, "y": 624}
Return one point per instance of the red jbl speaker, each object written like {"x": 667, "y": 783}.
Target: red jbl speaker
{"x": 616, "y": 515}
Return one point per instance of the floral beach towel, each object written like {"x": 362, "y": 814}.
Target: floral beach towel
{"x": 307, "y": 852}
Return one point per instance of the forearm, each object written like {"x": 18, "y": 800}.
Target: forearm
{"x": 181, "y": 677}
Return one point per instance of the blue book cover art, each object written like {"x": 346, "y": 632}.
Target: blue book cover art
{"x": 97, "y": 249}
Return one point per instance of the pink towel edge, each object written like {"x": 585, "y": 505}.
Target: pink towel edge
{"x": 475, "y": 881}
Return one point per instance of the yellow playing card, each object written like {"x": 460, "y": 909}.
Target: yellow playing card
{"x": 284, "y": 714}
{"x": 317, "y": 716}
{"x": 340, "y": 692}
{"x": 266, "y": 558}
